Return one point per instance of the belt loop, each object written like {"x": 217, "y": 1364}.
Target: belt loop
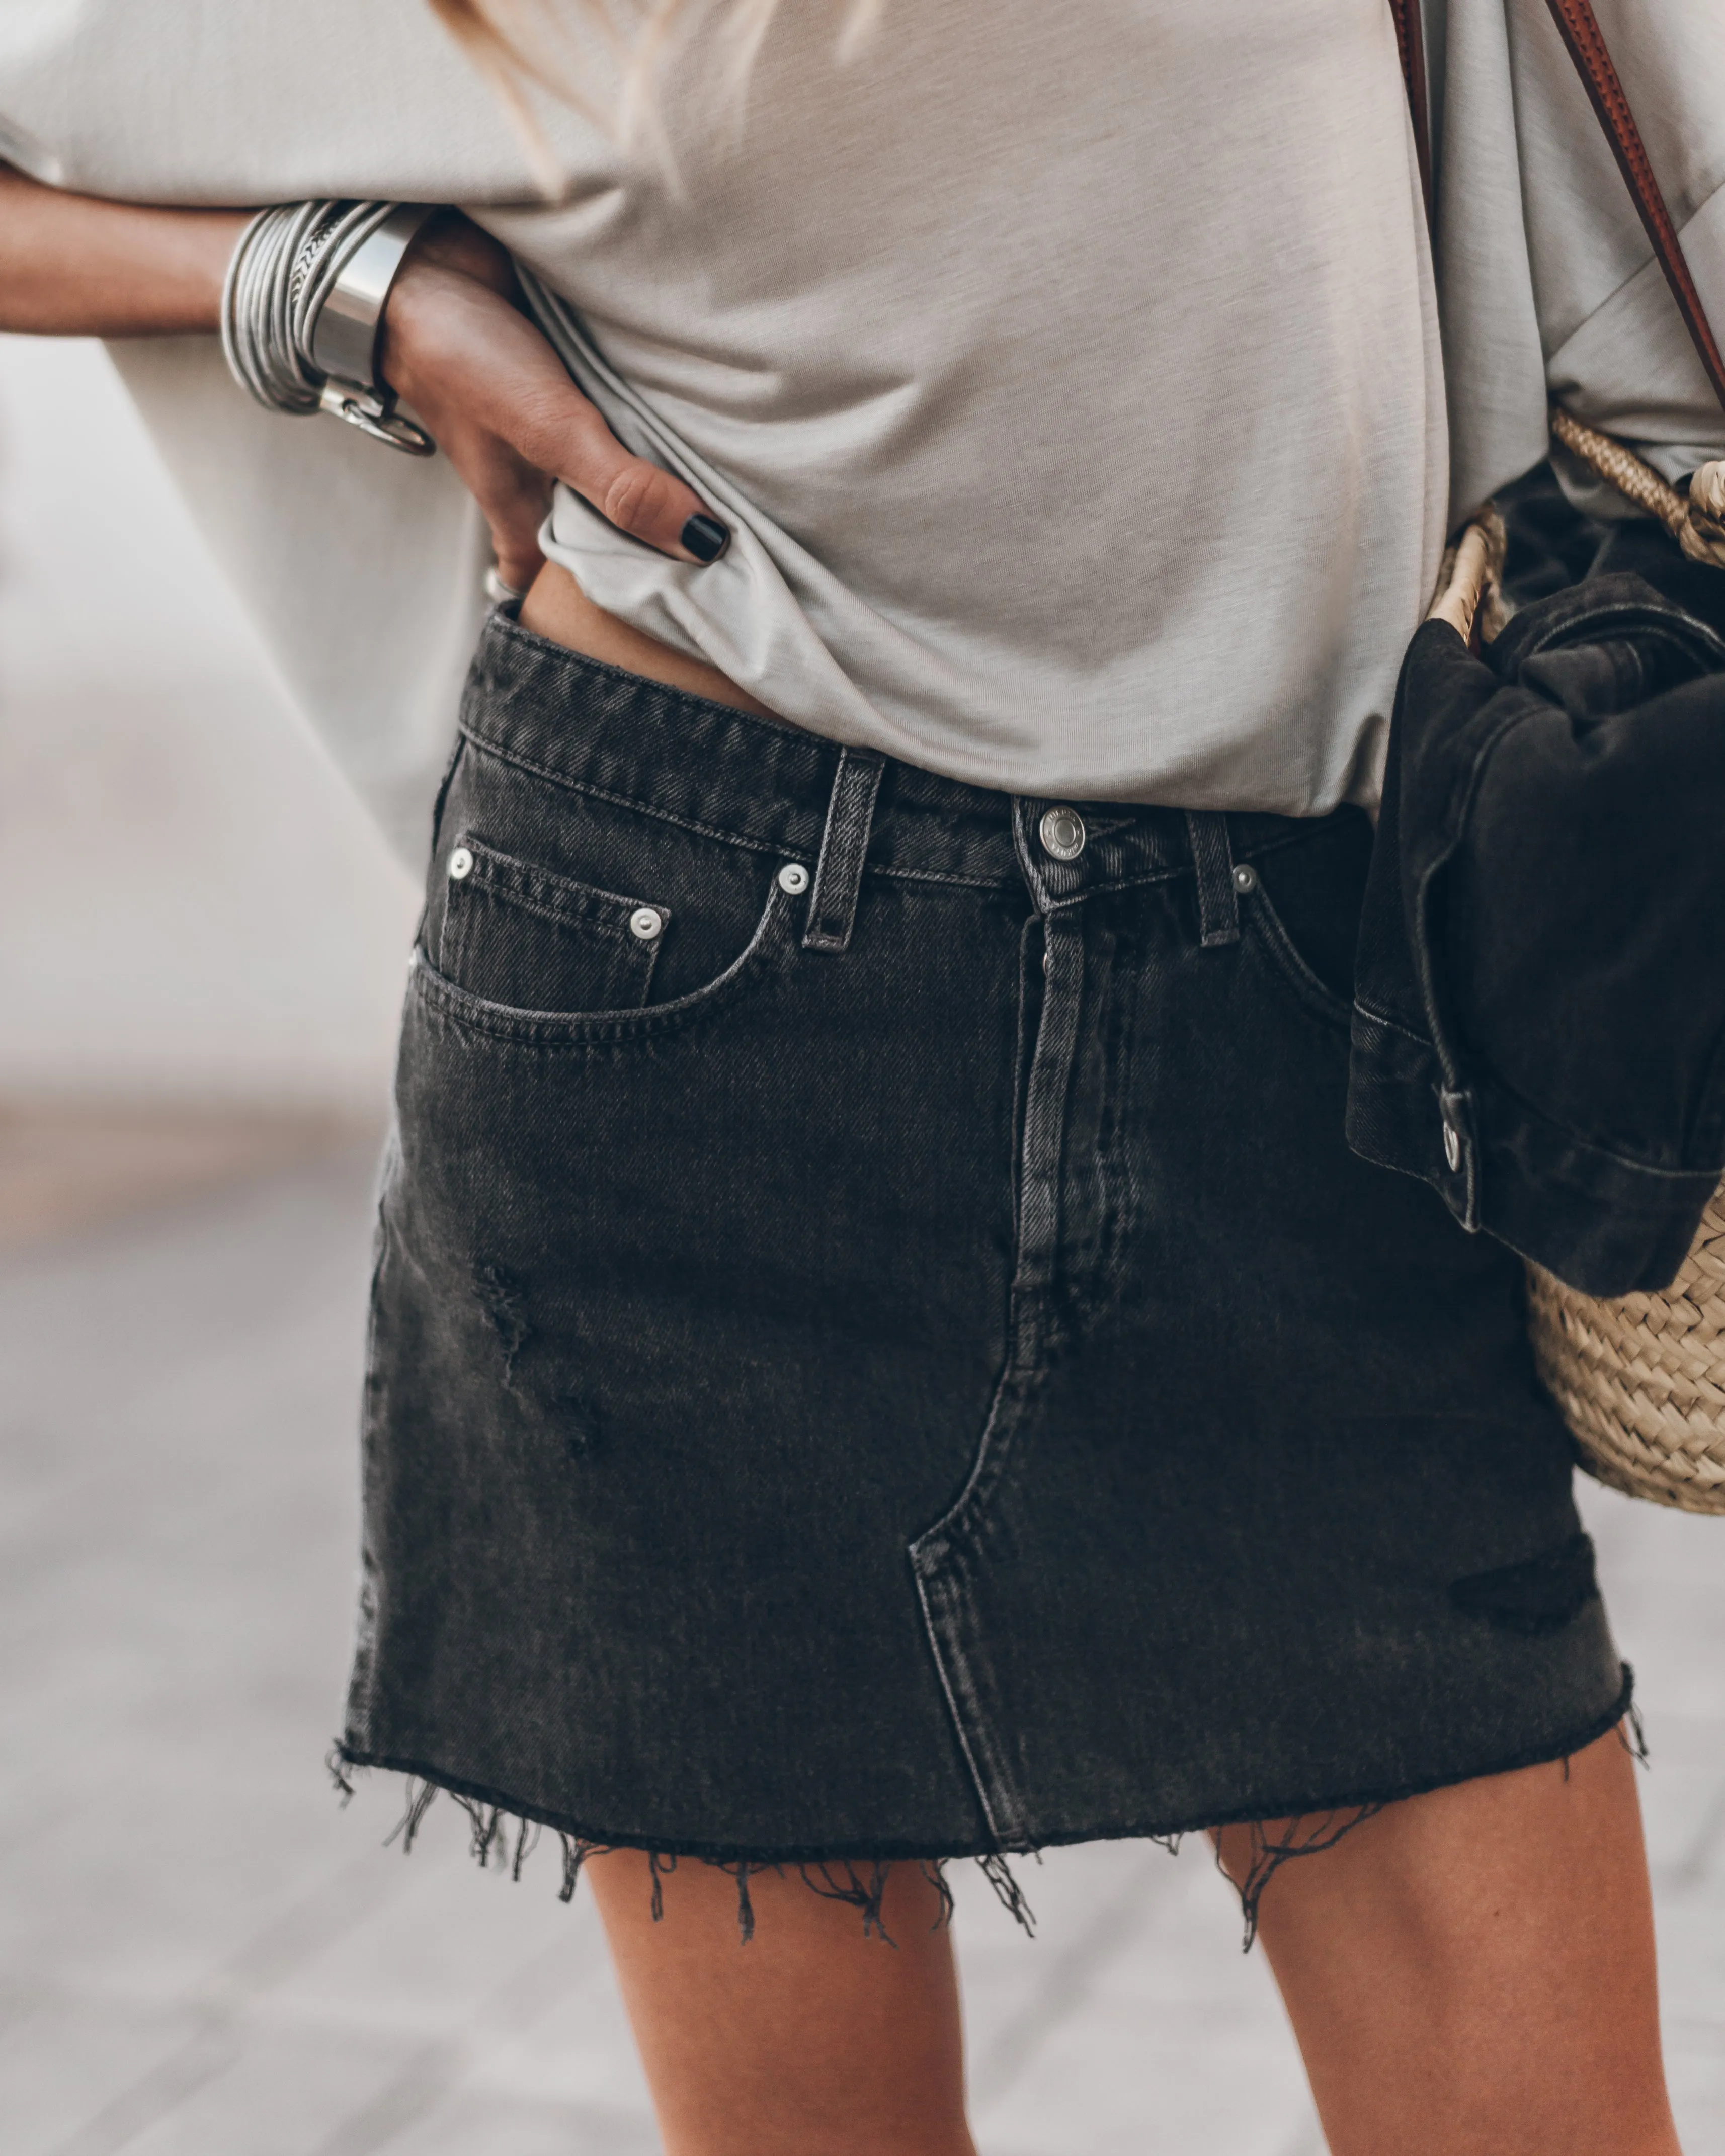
{"x": 838, "y": 874}
{"x": 1212, "y": 861}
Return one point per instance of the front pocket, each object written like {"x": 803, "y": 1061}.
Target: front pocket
{"x": 1300, "y": 903}
{"x": 772, "y": 943}
{"x": 1271, "y": 938}
{"x": 521, "y": 935}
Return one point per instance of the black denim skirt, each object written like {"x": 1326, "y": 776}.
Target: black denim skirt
{"x": 879, "y": 1347}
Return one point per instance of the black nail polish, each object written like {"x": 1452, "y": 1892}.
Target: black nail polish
{"x": 706, "y": 537}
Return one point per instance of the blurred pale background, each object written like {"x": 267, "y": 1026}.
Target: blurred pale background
{"x": 202, "y": 947}
{"x": 197, "y": 910}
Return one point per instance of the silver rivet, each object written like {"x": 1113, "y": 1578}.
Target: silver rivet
{"x": 1245, "y": 877}
{"x": 793, "y": 877}
{"x": 460, "y": 863}
{"x": 1452, "y": 1147}
{"x": 646, "y": 921}
{"x": 1063, "y": 833}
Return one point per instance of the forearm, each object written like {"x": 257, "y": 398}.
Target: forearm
{"x": 452, "y": 342}
{"x": 72, "y": 265}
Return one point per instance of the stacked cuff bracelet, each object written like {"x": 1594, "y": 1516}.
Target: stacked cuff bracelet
{"x": 302, "y": 306}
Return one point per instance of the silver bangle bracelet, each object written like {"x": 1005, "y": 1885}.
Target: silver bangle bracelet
{"x": 346, "y": 327}
{"x": 303, "y": 305}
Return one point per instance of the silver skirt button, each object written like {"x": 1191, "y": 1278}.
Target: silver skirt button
{"x": 460, "y": 863}
{"x": 793, "y": 878}
{"x": 646, "y": 923}
{"x": 1062, "y": 833}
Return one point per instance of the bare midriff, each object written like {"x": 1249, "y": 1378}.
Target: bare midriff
{"x": 557, "y": 608}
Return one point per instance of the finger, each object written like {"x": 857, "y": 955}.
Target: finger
{"x": 515, "y": 520}
{"x": 517, "y": 562}
{"x": 512, "y": 497}
{"x": 637, "y": 497}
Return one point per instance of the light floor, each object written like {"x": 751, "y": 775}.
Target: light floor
{"x": 203, "y": 1957}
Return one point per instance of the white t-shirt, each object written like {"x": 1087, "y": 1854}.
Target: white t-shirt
{"x": 1073, "y": 388}
{"x": 1071, "y": 378}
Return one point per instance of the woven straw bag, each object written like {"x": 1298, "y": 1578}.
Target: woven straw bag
{"x": 1640, "y": 1379}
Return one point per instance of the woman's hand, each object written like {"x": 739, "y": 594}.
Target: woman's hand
{"x": 454, "y": 345}
{"x": 457, "y": 348}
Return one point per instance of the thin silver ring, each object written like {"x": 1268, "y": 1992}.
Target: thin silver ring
{"x": 499, "y": 593}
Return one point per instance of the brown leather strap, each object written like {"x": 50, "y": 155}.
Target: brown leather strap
{"x": 1411, "y": 43}
{"x": 1580, "y": 29}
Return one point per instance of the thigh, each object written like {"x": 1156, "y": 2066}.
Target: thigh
{"x": 1471, "y": 1973}
{"x": 817, "y": 2036}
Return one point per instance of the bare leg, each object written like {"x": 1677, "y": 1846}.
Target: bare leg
{"x": 1471, "y": 1973}
{"x": 810, "y": 2041}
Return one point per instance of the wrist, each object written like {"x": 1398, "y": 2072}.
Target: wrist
{"x": 190, "y": 290}
{"x": 435, "y": 308}
{"x": 452, "y": 241}
{"x": 419, "y": 283}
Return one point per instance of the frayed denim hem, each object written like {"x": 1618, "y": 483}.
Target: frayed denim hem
{"x": 502, "y": 1833}
{"x": 499, "y": 1835}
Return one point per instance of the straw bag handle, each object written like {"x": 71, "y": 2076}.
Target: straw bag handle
{"x": 1579, "y": 28}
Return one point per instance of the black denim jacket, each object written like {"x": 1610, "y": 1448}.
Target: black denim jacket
{"x": 1539, "y": 1018}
